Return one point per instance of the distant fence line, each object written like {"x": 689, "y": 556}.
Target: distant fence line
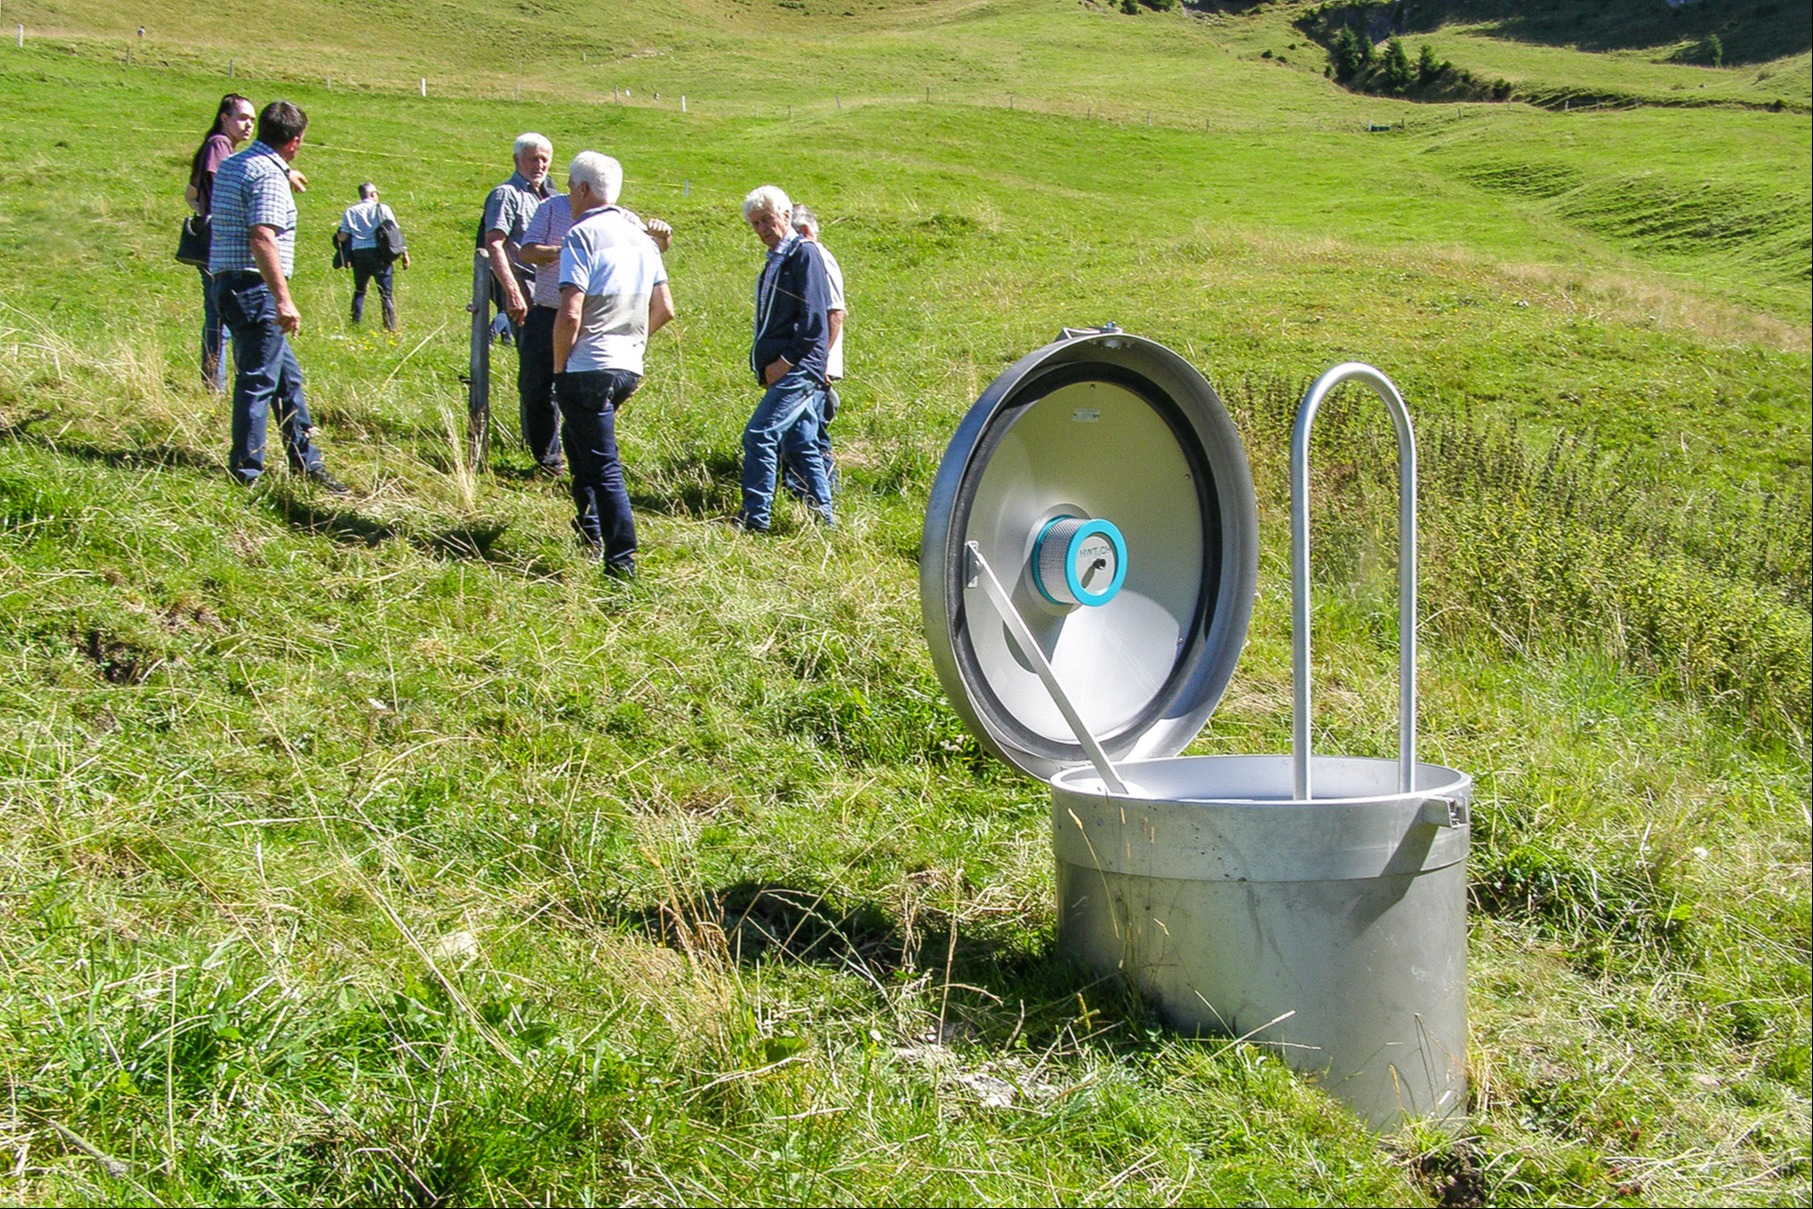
{"x": 155, "y": 56}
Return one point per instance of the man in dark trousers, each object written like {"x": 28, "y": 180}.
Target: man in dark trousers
{"x": 788, "y": 355}
{"x": 508, "y": 209}
{"x": 358, "y": 234}
{"x": 613, "y": 297}
{"x": 251, "y": 257}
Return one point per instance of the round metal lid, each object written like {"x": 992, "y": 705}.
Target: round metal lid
{"x": 1105, "y": 486}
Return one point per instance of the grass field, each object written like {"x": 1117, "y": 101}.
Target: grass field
{"x": 377, "y": 850}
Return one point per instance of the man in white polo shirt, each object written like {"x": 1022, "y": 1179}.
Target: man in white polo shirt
{"x": 613, "y": 296}
{"x": 540, "y": 250}
{"x": 358, "y": 234}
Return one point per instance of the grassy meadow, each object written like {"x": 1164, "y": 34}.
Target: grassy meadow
{"x": 377, "y": 849}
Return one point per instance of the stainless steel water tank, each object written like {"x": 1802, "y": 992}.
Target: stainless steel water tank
{"x": 1098, "y": 492}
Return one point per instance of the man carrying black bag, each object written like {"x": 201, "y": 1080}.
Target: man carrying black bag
{"x": 373, "y": 241}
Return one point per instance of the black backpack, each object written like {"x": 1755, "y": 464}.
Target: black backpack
{"x": 390, "y": 246}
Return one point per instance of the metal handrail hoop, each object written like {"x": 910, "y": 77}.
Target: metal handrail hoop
{"x": 1353, "y": 371}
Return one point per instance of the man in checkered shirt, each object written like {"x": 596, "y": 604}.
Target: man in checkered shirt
{"x": 251, "y": 257}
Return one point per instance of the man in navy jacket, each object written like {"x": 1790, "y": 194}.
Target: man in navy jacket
{"x": 792, "y": 336}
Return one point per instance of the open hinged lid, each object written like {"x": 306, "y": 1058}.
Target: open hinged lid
{"x": 1102, "y": 482}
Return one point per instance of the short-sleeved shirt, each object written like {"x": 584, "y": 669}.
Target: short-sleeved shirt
{"x": 510, "y": 206}
{"x": 361, "y": 222}
{"x": 612, "y": 261}
{"x": 834, "y": 357}
{"x": 252, "y": 189}
{"x": 553, "y": 219}
{"x": 214, "y": 151}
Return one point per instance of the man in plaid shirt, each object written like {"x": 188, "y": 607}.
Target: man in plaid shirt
{"x": 251, "y": 257}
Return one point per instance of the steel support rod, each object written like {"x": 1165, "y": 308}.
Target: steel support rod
{"x": 1029, "y": 651}
{"x": 1300, "y": 669}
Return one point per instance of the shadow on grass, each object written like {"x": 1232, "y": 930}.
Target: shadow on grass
{"x": 991, "y": 986}
{"x": 477, "y": 540}
{"x": 141, "y": 457}
{"x": 692, "y": 486}
{"x": 283, "y": 497}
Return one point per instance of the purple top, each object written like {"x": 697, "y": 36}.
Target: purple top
{"x": 214, "y": 151}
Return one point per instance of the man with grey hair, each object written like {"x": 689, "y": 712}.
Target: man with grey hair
{"x": 358, "y": 234}
{"x": 541, "y": 242}
{"x": 508, "y": 209}
{"x": 613, "y": 296}
{"x": 792, "y": 298}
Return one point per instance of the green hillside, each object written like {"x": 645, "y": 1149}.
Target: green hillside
{"x": 1647, "y": 52}
{"x": 376, "y": 849}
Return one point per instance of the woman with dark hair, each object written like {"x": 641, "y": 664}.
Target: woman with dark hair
{"x": 232, "y": 126}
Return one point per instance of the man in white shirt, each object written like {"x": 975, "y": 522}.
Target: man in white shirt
{"x": 358, "y": 234}
{"x": 805, "y": 222}
{"x": 540, "y": 250}
{"x": 613, "y": 296}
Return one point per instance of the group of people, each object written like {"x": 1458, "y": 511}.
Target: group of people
{"x": 580, "y": 282}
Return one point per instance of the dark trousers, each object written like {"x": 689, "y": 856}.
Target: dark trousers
{"x": 368, "y": 266}
{"x": 269, "y": 378}
{"x": 213, "y": 337}
{"x": 537, "y": 408}
{"x": 588, "y": 410}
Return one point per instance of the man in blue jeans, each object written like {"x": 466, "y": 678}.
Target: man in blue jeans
{"x": 788, "y": 355}
{"x": 613, "y": 296}
{"x": 251, "y": 257}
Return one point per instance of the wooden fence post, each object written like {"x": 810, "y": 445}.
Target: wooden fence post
{"x": 478, "y": 374}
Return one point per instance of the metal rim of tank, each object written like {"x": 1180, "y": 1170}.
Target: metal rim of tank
{"x": 1203, "y": 659}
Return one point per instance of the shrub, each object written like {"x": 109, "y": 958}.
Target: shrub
{"x": 1398, "y": 72}
{"x": 1428, "y": 67}
{"x": 1350, "y": 53}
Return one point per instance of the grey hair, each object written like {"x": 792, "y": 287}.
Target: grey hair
{"x": 804, "y": 219}
{"x": 768, "y": 198}
{"x": 532, "y": 142}
{"x": 368, "y": 190}
{"x": 602, "y": 174}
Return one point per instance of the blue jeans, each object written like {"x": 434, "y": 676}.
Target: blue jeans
{"x": 588, "y": 410}
{"x": 791, "y": 479}
{"x": 269, "y": 376}
{"x": 213, "y": 338}
{"x": 786, "y": 418}
{"x": 368, "y": 267}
